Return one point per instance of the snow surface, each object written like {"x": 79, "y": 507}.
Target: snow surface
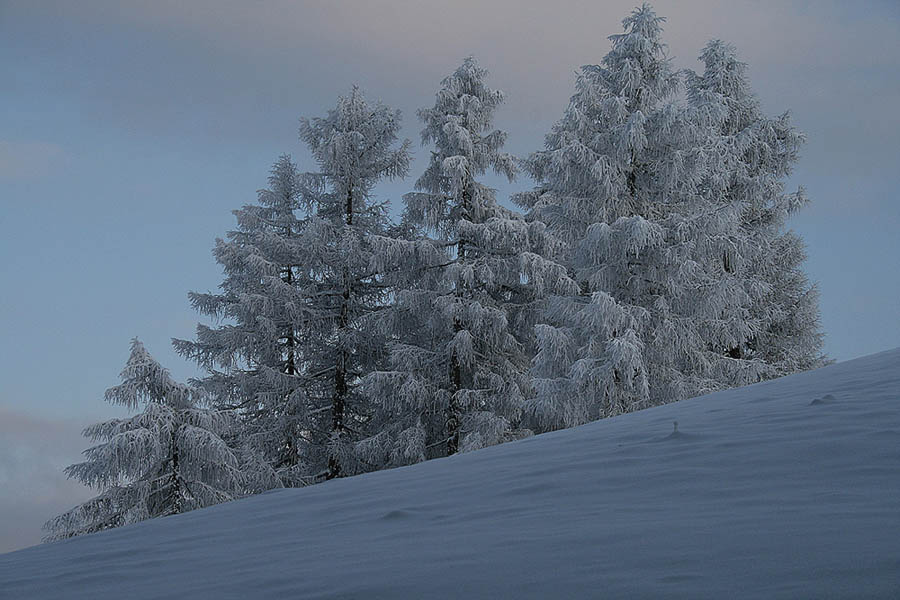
{"x": 784, "y": 489}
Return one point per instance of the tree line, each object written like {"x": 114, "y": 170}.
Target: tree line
{"x": 650, "y": 263}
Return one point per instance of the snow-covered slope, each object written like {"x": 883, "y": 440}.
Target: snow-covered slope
{"x": 785, "y": 489}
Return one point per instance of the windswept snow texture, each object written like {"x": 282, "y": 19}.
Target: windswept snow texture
{"x": 785, "y": 489}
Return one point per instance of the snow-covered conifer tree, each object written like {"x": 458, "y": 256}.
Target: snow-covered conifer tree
{"x": 460, "y": 363}
{"x": 601, "y": 193}
{"x": 304, "y": 285}
{"x": 253, "y": 359}
{"x": 170, "y": 458}
{"x": 354, "y": 147}
{"x": 750, "y": 155}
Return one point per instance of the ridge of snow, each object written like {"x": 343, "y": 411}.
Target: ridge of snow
{"x": 784, "y": 489}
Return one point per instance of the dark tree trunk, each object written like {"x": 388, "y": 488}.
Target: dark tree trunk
{"x": 339, "y": 399}
{"x": 727, "y": 263}
{"x": 176, "y": 478}
{"x": 453, "y": 412}
{"x": 290, "y": 368}
{"x": 291, "y": 455}
{"x": 338, "y": 402}
{"x": 456, "y": 370}
{"x": 631, "y": 179}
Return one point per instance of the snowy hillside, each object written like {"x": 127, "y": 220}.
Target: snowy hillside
{"x": 785, "y": 489}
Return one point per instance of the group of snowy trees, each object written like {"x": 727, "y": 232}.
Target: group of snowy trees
{"x": 652, "y": 264}
{"x": 671, "y": 217}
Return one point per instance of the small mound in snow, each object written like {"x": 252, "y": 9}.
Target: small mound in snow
{"x": 768, "y": 500}
{"x": 680, "y": 435}
{"x": 826, "y": 399}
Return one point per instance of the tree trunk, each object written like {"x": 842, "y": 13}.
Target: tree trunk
{"x": 339, "y": 399}
{"x": 631, "y": 182}
{"x": 290, "y": 363}
{"x": 453, "y": 412}
{"x": 456, "y": 374}
{"x": 727, "y": 263}
{"x": 176, "y": 479}
{"x": 291, "y": 455}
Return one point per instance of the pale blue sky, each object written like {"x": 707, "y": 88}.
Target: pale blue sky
{"x": 129, "y": 131}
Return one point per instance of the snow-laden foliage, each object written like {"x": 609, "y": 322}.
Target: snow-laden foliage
{"x": 601, "y": 194}
{"x": 253, "y": 356}
{"x": 305, "y": 281}
{"x": 653, "y": 264}
{"x": 667, "y": 215}
{"x": 600, "y": 160}
{"x": 461, "y": 329}
{"x": 170, "y": 458}
{"x": 750, "y": 156}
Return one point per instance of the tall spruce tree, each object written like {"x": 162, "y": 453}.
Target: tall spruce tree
{"x": 303, "y": 287}
{"x": 170, "y": 458}
{"x": 354, "y": 147}
{"x": 601, "y": 193}
{"x": 750, "y": 157}
{"x": 252, "y": 360}
{"x": 460, "y": 363}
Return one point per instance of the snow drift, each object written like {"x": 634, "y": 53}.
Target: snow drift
{"x": 784, "y": 489}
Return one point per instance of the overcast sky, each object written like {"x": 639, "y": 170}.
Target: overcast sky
{"x": 129, "y": 131}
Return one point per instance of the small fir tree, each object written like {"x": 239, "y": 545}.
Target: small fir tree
{"x": 170, "y": 458}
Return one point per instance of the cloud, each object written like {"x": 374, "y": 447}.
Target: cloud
{"x": 23, "y": 160}
{"x": 525, "y": 34}
{"x": 227, "y": 68}
{"x": 33, "y": 452}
